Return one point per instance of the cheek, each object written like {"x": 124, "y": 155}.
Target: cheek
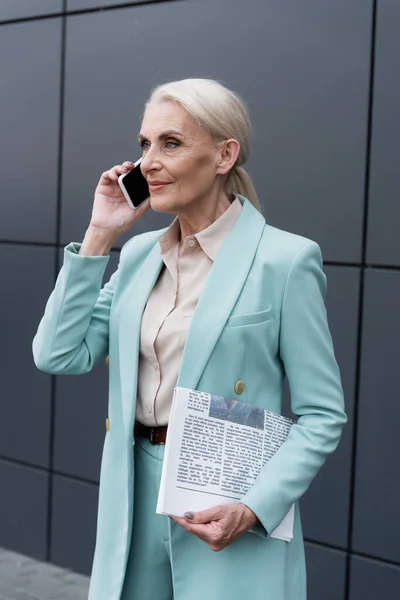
{"x": 193, "y": 170}
{"x": 177, "y": 167}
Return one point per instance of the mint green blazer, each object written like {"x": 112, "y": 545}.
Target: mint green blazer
{"x": 261, "y": 316}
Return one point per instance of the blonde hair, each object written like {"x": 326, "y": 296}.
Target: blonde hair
{"x": 223, "y": 114}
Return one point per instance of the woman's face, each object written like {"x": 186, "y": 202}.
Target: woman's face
{"x": 180, "y": 159}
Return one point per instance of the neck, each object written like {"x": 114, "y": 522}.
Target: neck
{"x": 202, "y": 215}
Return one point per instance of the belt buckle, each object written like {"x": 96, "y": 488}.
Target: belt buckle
{"x": 151, "y": 437}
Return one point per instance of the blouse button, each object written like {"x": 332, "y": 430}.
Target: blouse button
{"x": 191, "y": 243}
{"x": 239, "y": 387}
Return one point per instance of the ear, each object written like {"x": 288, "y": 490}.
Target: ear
{"x": 227, "y": 154}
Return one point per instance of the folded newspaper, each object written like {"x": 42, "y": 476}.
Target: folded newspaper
{"x": 215, "y": 450}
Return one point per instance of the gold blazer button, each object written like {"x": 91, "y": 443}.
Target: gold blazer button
{"x": 107, "y": 424}
{"x": 239, "y": 387}
{"x": 107, "y": 360}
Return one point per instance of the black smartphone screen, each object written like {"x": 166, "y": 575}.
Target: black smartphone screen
{"x": 136, "y": 186}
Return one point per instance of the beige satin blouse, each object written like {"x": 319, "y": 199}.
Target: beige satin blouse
{"x": 169, "y": 310}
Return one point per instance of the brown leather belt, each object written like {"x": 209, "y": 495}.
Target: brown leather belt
{"x": 156, "y": 435}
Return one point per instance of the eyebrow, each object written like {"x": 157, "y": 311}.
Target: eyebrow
{"x": 162, "y": 136}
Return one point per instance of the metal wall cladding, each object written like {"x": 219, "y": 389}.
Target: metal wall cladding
{"x": 90, "y": 4}
{"x": 376, "y": 526}
{"x": 326, "y": 573}
{"x": 20, "y": 9}
{"x": 74, "y": 510}
{"x": 384, "y": 205}
{"x": 74, "y": 86}
{"x": 24, "y": 509}
{"x": 27, "y": 280}
{"x": 30, "y": 67}
{"x": 373, "y": 579}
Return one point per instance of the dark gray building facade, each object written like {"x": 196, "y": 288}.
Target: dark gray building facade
{"x": 321, "y": 81}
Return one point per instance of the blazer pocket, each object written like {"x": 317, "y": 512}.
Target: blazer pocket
{"x": 249, "y": 318}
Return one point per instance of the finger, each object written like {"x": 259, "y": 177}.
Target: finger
{"x": 183, "y": 523}
{"x": 106, "y": 178}
{"x": 129, "y": 164}
{"x": 180, "y": 521}
{"x": 204, "y": 516}
{"x": 202, "y": 531}
{"x": 119, "y": 169}
{"x": 110, "y": 176}
{"x": 115, "y": 172}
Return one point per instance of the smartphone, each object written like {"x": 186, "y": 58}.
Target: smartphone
{"x": 134, "y": 186}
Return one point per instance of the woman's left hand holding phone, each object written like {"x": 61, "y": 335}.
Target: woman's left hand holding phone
{"x": 111, "y": 215}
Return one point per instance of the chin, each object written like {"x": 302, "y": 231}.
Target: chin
{"x": 164, "y": 203}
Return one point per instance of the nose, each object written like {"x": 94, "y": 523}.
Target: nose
{"x": 150, "y": 161}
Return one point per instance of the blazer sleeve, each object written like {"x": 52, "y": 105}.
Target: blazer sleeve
{"x": 73, "y": 333}
{"x": 306, "y": 351}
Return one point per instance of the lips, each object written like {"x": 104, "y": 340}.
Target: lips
{"x": 157, "y": 185}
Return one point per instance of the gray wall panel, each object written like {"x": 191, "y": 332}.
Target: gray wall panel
{"x": 80, "y": 413}
{"x": 23, "y": 509}
{"x": 27, "y": 280}
{"x": 376, "y": 522}
{"x": 18, "y": 9}
{"x": 326, "y": 571}
{"x": 384, "y": 205}
{"x": 73, "y": 531}
{"x": 101, "y": 119}
{"x": 310, "y": 111}
{"x": 325, "y": 506}
{"x": 371, "y": 580}
{"x": 29, "y": 111}
{"x": 309, "y": 149}
{"x": 82, "y": 4}
{"x": 304, "y": 71}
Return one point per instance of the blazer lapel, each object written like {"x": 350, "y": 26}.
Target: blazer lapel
{"x": 222, "y": 288}
{"x": 129, "y": 334}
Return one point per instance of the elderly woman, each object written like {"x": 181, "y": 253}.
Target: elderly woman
{"x": 222, "y": 302}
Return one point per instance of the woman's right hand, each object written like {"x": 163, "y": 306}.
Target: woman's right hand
{"x": 111, "y": 212}
{"x": 111, "y": 215}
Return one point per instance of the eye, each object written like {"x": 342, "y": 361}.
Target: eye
{"x": 144, "y": 145}
{"x": 172, "y": 144}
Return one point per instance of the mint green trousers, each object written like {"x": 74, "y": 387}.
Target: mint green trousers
{"x": 167, "y": 563}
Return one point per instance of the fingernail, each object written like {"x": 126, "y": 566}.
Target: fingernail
{"x": 189, "y": 515}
